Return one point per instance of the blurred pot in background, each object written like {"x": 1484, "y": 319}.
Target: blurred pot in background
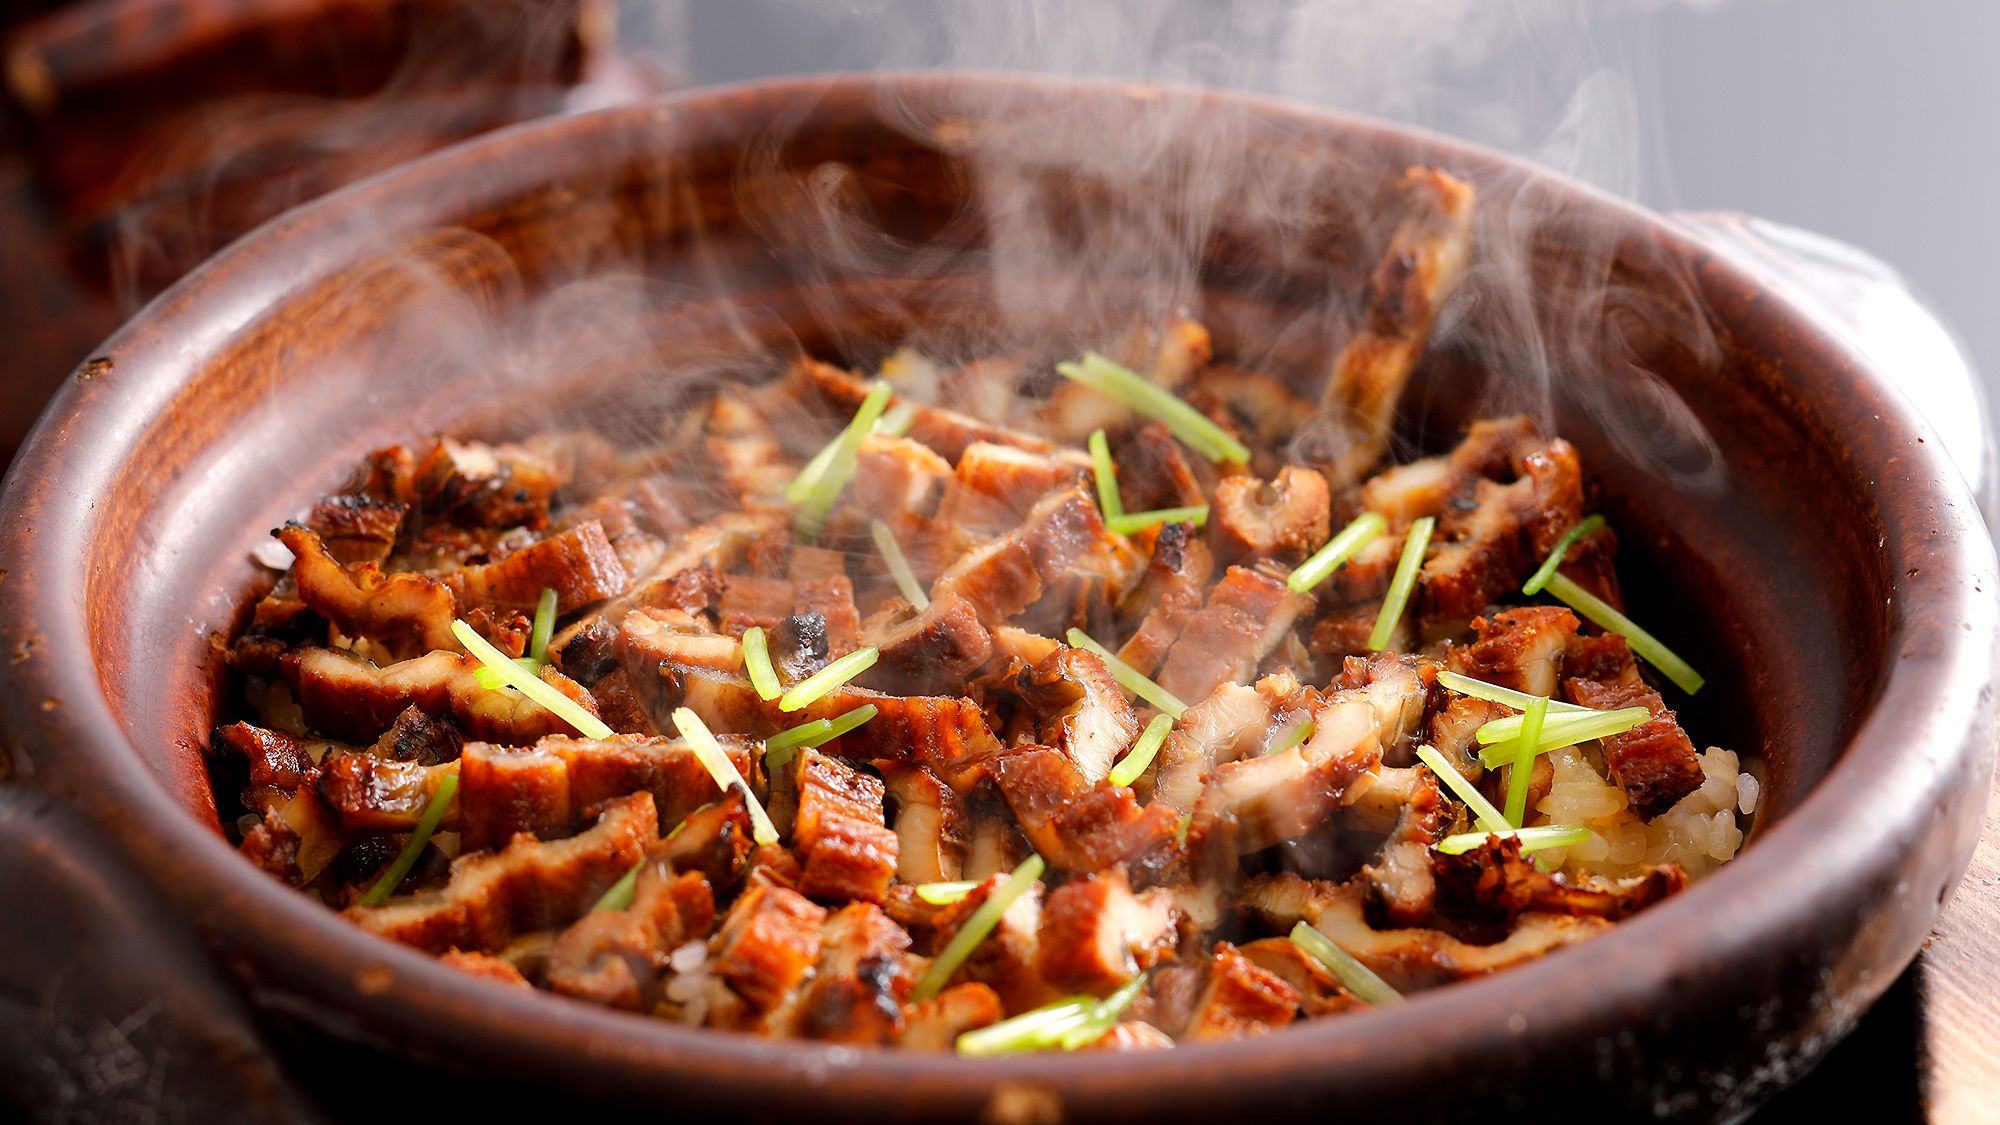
{"x": 140, "y": 136}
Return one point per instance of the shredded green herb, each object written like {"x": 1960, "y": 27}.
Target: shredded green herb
{"x": 1644, "y": 644}
{"x": 815, "y": 495}
{"x": 779, "y": 748}
{"x": 1299, "y": 732}
{"x": 1356, "y": 535}
{"x": 1132, "y": 523}
{"x": 1134, "y": 390}
{"x": 1532, "y": 839}
{"x": 1106, "y": 473}
{"x": 684, "y": 820}
{"x": 434, "y": 811}
{"x": 1065, "y": 1025}
{"x": 1029, "y": 1031}
{"x": 716, "y": 761}
{"x": 1401, "y": 585}
{"x": 619, "y": 895}
{"x": 976, "y": 928}
{"x": 562, "y": 706}
{"x": 899, "y": 566}
{"x": 897, "y": 421}
{"x": 544, "y": 628}
{"x": 489, "y": 679}
{"x": 815, "y": 469}
{"x": 1542, "y": 573}
{"x": 1498, "y": 738}
{"x": 828, "y": 678}
{"x": 943, "y": 894}
{"x": 1494, "y": 693}
{"x": 1141, "y": 755}
{"x": 848, "y": 721}
{"x": 1483, "y": 812}
{"x": 1101, "y": 1016}
{"x": 1524, "y": 760}
{"x": 1129, "y": 676}
{"x": 757, "y": 662}
{"x": 1359, "y": 978}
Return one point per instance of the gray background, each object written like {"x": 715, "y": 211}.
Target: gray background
{"x": 1873, "y": 121}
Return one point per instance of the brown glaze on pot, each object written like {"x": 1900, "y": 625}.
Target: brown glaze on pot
{"x": 1838, "y": 585}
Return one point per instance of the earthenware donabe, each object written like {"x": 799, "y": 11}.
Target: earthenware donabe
{"x": 1820, "y": 559}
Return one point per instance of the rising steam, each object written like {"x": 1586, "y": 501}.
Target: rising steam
{"x": 1555, "y": 81}
{"x": 1081, "y": 224}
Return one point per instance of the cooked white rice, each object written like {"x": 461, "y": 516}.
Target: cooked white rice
{"x": 1699, "y": 833}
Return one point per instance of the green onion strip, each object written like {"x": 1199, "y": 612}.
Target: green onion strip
{"x": 1132, "y": 523}
{"x": 899, "y": 566}
{"x": 1338, "y": 549}
{"x": 1483, "y": 812}
{"x": 1647, "y": 646}
{"x": 407, "y": 858}
{"x": 1029, "y": 1031}
{"x": 1524, "y": 760}
{"x": 828, "y": 678}
{"x": 1507, "y": 729}
{"x": 489, "y": 679}
{"x": 1184, "y": 421}
{"x": 1532, "y": 839}
{"x": 818, "y": 485}
{"x": 716, "y": 761}
{"x": 1127, "y": 771}
{"x": 976, "y": 928}
{"x": 1102, "y": 1016}
{"x": 1125, "y": 674}
{"x": 620, "y": 894}
{"x": 1106, "y": 473}
{"x": 1566, "y": 729}
{"x": 757, "y": 662}
{"x": 1401, "y": 585}
{"x": 1299, "y": 732}
{"x": 538, "y": 643}
{"x": 1494, "y": 693}
{"x": 779, "y": 748}
{"x": 1065, "y": 1024}
{"x": 815, "y": 470}
{"x": 512, "y": 674}
{"x": 545, "y": 627}
{"x": 943, "y": 894}
{"x": 897, "y": 421}
{"x": 1359, "y": 978}
{"x": 1548, "y": 568}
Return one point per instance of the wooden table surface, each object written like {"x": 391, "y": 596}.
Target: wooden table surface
{"x": 1929, "y": 1052}
{"x": 1958, "y": 995}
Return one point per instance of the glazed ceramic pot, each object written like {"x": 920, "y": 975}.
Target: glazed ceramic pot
{"x": 1789, "y": 521}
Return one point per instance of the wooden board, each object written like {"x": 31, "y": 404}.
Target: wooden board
{"x": 1958, "y": 992}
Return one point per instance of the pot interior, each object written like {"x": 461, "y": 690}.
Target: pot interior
{"x": 612, "y": 272}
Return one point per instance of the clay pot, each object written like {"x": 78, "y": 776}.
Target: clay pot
{"x": 1789, "y": 522}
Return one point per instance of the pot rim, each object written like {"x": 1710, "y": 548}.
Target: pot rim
{"x": 1931, "y": 709}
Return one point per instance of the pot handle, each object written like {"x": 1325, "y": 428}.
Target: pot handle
{"x": 1869, "y": 305}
